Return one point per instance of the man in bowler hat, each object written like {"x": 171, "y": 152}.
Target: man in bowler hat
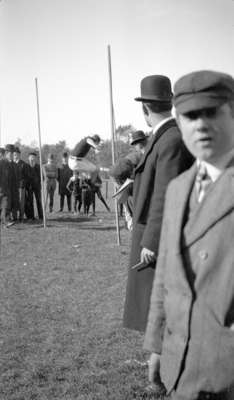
{"x": 190, "y": 330}
{"x": 164, "y": 158}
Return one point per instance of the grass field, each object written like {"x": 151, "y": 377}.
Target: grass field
{"x": 62, "y": 292}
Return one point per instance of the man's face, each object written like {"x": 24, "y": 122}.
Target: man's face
{"x": 139, "y": 147}
{"x": 16, "y": 156}
{"x": 32, "y": 160}
{"x": 208, "y": 133}
{"x": 9, "y": 155}
{"x": 65, "y": 160}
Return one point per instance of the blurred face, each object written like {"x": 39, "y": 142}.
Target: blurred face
{"x": 9, "y": 155}
{"x": 32, "y": 160}
{"x": 65, "y": 160}
{"x": 16, "y": 156}
{"x": 139, "y": 147}
{"x": 208, "y": 133}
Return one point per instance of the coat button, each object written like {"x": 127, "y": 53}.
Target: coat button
{"x": 203, "y": 255}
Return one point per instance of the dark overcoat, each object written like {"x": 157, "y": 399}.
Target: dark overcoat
{"x": 196, "y": 322}
{"x": 64, "y": 174}
{"x": 165, "y": 157}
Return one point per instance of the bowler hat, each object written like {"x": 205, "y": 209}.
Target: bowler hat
{"x": 155, "y": 88}
{"x": 136, "y": 137}
{"x": 202, "y": 89}
{"x": 10, "y": 148}
{"x": 17, "y": 150}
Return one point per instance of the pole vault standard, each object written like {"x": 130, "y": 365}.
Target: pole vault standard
{"x": 40, "y": 156}
{"x": 113, "y": 136}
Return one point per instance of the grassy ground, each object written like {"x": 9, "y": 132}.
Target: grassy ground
{"x": 61, "y": 296}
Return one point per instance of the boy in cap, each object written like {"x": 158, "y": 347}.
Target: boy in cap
{"x": 190, "y": 329}
{"x": 50, "y": 174}
{"x": 164, "y": 158}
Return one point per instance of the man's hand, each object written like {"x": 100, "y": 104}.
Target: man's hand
{"x": 147, "y": 255}
{"x": 153, "y": 368}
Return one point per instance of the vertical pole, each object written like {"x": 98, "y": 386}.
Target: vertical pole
{"x": 40, "y": 156}
{"x": 113, "y": 137}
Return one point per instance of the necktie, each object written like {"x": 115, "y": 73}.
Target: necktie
{"x": 202, "y": 182}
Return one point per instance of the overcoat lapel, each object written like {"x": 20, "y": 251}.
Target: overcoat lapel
{"x": 153, "y": 140}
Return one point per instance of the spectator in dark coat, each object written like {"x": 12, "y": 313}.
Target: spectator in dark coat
{"x": 21, "y": 174}
{"x": 4, "y": 187}
{"x": 164, "y": 158}
{"x": 64, "y": 174}
{"x": 13, "y": 199}
{"x": 33, "y": 188}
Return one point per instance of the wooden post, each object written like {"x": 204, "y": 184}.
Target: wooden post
{"x": 113, "y": 136}
{"x": 40, "y": 156}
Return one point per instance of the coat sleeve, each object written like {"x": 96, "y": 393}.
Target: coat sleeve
{"x": 168, "y": 165}
{"x": 156, "y": 317}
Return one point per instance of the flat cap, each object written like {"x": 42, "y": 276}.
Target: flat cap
{"x": 10, "y": 148}
{"x": 136, "y": 137}
{"x": 202, "y": 89}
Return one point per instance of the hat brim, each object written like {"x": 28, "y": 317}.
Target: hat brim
{"x": 153, "y": 98}
{"x": 137, "y": 141}
{"x": 197, "y": 102}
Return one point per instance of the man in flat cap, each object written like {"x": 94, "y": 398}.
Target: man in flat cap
{"x": 190, "y": 329}
{"x": 164, "y": 158}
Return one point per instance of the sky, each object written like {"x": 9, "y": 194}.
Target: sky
{"x": 64, "y": 45}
